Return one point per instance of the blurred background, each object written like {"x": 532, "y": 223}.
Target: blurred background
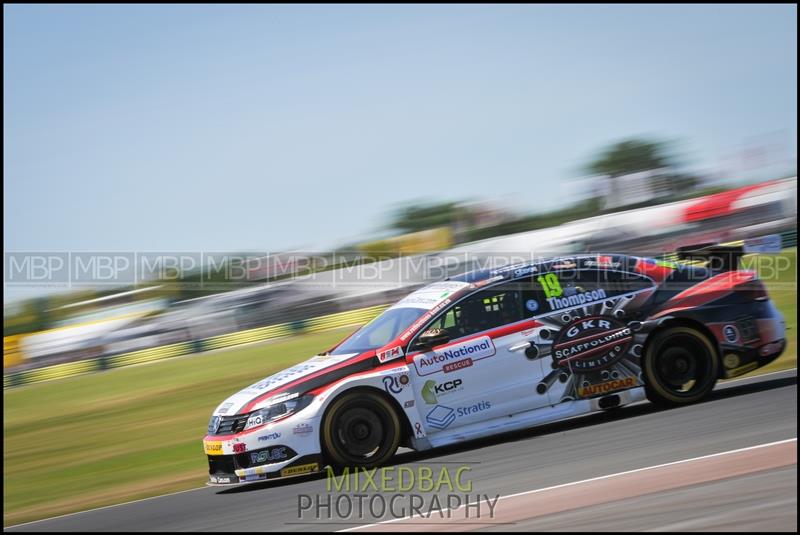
{"x": 190, "y": 180}
{"x": 196, "y": 298}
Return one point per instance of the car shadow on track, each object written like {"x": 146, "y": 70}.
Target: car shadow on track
{"x": 723, "y": 391}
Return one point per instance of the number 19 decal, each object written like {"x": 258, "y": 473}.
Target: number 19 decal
{"x": 550, "y": 284}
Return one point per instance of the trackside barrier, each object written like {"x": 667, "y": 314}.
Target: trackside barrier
{"x": 149, "y": 355}
{"x": 261, "y": 334}
{"x": 789, "y": 238}
{"x": 323, "y": 323}
{"x": 12, "y": 355}
{"x": 246, "y": 337}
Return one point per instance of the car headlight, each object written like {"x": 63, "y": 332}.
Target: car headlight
{"x": 213, "y": 424}
{"x": 278, "y": 408}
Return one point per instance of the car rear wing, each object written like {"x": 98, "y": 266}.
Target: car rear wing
{"x": 726, "y": 256}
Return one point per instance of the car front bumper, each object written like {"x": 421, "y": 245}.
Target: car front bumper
{"x": 285, "y": 448}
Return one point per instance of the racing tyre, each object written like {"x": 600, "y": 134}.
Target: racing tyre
{"x": 680, "y": 366}
{"x": 360, "y": 429}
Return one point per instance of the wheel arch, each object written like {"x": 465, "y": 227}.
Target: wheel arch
{"x": 406, "y": 431}
{"x": 683, "y": 321}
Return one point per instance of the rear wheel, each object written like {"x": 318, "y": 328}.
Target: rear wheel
{"x": 360, "y": 429}
{"x": 680, "y": 366}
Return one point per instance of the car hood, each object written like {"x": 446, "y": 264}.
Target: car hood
{"x": 302, "y": 377}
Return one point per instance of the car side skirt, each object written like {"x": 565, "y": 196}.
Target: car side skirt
{"x": 533, "y": 418}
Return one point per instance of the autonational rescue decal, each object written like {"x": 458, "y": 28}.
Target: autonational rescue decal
{"x": 447, "y": 357}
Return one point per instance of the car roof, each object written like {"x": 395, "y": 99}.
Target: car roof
{"x": 512, "y": 271}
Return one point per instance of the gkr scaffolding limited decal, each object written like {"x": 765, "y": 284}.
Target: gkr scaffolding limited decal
{"x": 591, "y": 355}
{"x": 589, "y": 344}
{"x": 446, "y": 357}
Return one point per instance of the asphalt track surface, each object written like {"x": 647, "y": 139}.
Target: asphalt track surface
{"x": 740, "y": 414}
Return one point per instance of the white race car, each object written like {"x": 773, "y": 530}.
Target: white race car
{"x": 498, "y": 350}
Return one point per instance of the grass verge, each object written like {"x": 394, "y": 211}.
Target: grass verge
{"x": 129, "y": 433}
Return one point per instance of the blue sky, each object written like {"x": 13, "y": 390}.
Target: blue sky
{"x": 220, "y": 128}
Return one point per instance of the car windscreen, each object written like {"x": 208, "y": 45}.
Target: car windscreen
{"x": 380, "y": 331}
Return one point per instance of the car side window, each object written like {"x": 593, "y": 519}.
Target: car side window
{"x": 533, "y": 297}
{"x": 612, "y": 282}
{"x": 485, "y": 309}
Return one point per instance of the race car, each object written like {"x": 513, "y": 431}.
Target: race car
{"x": 503, "y": 349}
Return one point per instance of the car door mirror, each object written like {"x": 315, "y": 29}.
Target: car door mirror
{"x": 434, "y": 337}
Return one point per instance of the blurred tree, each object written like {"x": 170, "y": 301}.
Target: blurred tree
{"x": 631, "y": 156}
{"x": 637, "y": 155}
{"x": 416, "y": 217}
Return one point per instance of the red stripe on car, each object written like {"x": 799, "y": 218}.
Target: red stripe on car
{"x": 705, "y": 292}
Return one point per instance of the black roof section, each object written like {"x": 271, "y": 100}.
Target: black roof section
{"x": 584, "y": 261}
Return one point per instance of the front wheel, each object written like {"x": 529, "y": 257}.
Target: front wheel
{"x": 680, "y": 366}
{"x": 360, "y": 429}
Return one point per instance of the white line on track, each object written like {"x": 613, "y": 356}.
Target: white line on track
{"x": 394, "y": 520}
{"x": 599, "y": 478}
{"x": 759, "y": 376}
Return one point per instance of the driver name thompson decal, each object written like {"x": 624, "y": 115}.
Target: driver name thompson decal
{"x": 576, "y": 299}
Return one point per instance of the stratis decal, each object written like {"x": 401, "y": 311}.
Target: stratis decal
{"x": 445, "y": 358}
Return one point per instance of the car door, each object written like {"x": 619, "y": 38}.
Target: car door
{"x": 483, "y": 371}
{"x": 592, "y": 348}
